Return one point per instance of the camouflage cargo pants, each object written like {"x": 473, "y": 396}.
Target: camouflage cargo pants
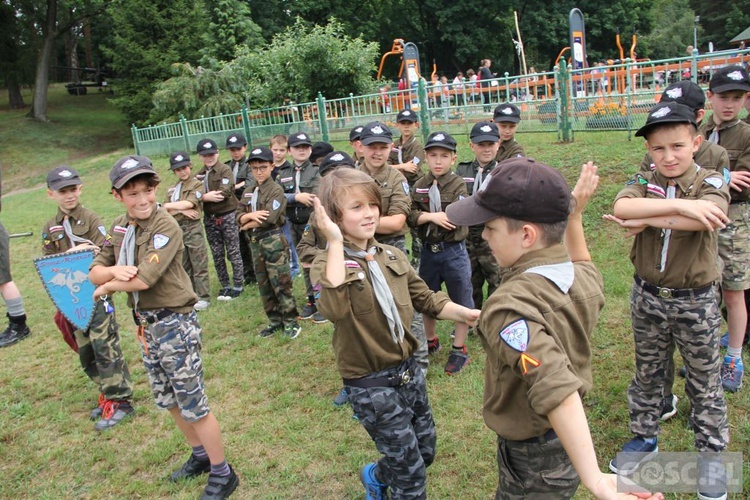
{"x": 297, "y": 231}
{"x": 101, "y": 356}
{"x": 195, "y": 258}
{"x": 271, "y": 262}
{"x": 692, "y": 323}
{"x": 399, "y": 421}
{"x": 483, "y": 268}
{"x": 223, "y": 235}
{"x": 248, "y": 270}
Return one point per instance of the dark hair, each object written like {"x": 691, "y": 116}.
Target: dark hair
{"x": 552, "y": 232}
{"x": 670, "y": 126}
{"x": 151, "y": 180}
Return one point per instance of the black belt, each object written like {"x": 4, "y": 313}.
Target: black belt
{"x": 219, "y": 216}
{"x": 255, "y": 237}
{"x": 439, "y": 246}
{"x": 671, "y": 293}
{"x": 396, "y": 380}
{"x": 548, "y": 436}
{"x": 143, "y": 320}
{"x": 737, "y": 202}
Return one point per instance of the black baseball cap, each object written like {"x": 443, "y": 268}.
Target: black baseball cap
{"x": 685, "y": 92}
{"x": 355, "y": 133}
{"x": 128, "y": 167}
{"x": 376, "y": 132}
{"x": 335, "y": 159}
{"x": 518, "y": 188}
{"x": 236, "y": 141}
{"x": 319, "y": 150}
{"x": 61, "y": 177}
{"x": 484, "y": 132}
{"x": 506, "y": 113}
{"x": 729, "y": 78}
{"x": 262, "y": 153}
{"x": 440, "y": 140}
{"x": 407, "y": 115}
{"x": 206, "y": 147}
{"x": 669, "y": 112}
{"x": 300, "y": 139}
{"x": 178, "y": 159}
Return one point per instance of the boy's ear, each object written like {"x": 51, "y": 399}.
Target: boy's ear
{"x": 697, "y": 140}
{"x": 49, "y": 193}
{"x": 117, "y": 195}
{"x": 530, "y": 235}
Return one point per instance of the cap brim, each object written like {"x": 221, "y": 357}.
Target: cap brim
{"x": 133, "y": 173}
{"x": 484, "y": 138}
{"x": 730, "y": 86}
{"x": 301, "y": 143}
{"x": 208, "y": 152}
{"x": 376, "y": 140}
{"x": 440, "y": 145}
{"x": 63, "y": 183}
{"x": 179, "y": 165}
{"x": 504, "y": 118}
{"x": 641, "y": 132}
{"x": 468, "y": 212}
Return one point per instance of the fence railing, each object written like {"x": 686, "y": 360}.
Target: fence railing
{"x": 613, "y": 97}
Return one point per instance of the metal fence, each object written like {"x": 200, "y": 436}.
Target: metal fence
{"x": 612, "y": 97}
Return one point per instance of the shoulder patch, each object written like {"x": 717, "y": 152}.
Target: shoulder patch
{"x": 225, "y": 181}
{"x": 102, "y": 230}
{"x": 727, "y": 176}
{"x": 198, "y": 195}
{"x": 160, "y": 240}
{"x": 119, "y": 229}
{"x": 275, "y": 205}
{"x": 716, "y": 182}
{"x": 52, "y": 229}
{"x": 405, "y": 185}
{"x": 352, "y": 264}
{"x": 286, "y": 179}
{"x": 516, "y": 335}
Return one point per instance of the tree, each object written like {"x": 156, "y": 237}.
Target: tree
{"x": 16, "y": 52}
{"x": 721, "y": 21}
{"x": 673, "y": 32}
{"x": 230, "y": 26}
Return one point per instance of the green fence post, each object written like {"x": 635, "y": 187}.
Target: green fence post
{"x": 246, "y": 126}
{"x": 424, "y": 115}
{"x": 185, "y": 134}
{"x": 507, "y": 87}
{"x": 321, "y": 101}
{"x": 694, "y": 66}
{"x": 565, "y": 124}
{"x": 134, "y": 132}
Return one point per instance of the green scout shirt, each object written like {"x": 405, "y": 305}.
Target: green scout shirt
{"x": 220, "y": 178}
{"x": 735, "y": 138}
{"x": 362, "y": 342}
{"x": 192, "y": 191}
{"x": 402, "y": 153}
{"x": 271, "y": 198}
{"x": 83, "y": 222}
{"x": 535, "y": 329}
{"x": 691, "y": 256}
{"x": 468, "y": 171}
{"x": 395, "y": 195}
{"x": 452, "y": 188}
{"x": 158, "y": 256}
{"x": 309, "y": 180}
{"x": 709, "y": 156}
{"x": 509, "y": 149}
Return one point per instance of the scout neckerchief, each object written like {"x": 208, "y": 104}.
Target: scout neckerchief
{"x": 177, "y": 191}
{"x": 435, "y": 205}
{"x": 254, "y": 200}
{"x": 477, "y": 180}
{"x": 382, "y": 292}
{"x": 297, "y": 170}
{"x": 667, "y": 232}
{"x": 69, "y": 233}
{"x": 205, "y": 181}
{"x": 714, "y": 137}
{"x": 400, "y": 149}
{"x": 127, "y": 254}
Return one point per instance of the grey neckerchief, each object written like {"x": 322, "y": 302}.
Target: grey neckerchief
{"x": 74, "y": 240}
{"x": 176, "y": 192}
{"x": 714, "y": 137}
{"x": 671, "y": 191}
{"x": 205, "y": 181}
{"x": 435, "y": 205}
{"x": 254, "y": 200}
{"x": 127, "y": 254}
{"x": 382, "y": 292}
{"x": 235, "y": 170}
{"x": 297, "y": 171}
{"x": 477, "y": 181}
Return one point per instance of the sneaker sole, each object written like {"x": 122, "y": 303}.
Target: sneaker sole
{"x": 294, "y": 334}
{"x": 629, "y": 472}
{"x": 103, "y": 429}
{"x": 668, "y": 415}
{"x": 320, "y": 322}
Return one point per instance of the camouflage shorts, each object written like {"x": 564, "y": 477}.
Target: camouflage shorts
{"x": 734, "y": 248}
{"x": 174, "y": 365}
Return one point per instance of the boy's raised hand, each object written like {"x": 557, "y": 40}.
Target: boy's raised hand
{"x": 330, "y": 229}
{"x": 585, "y": 187}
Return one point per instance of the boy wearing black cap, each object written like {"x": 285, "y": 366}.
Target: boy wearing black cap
{"x": 184, "y": 202}
{"x": 727, "y": 92}
{"x": 319, "y": 151}
{"x": 219, "y": 205}
{"x": 77, "y": 228}
{"x": 535, "y": 328}
{"x": 485, "y": 141}
{"x": 237, "y": 146}
{"x": 444, "y": 257}
{"x": 145, "y": 261}
{"x": 507, "y": 116}
{"x": 300, "y": 183}
{"x": 354, "y": 141}
{"x": 674, "y": 213}
{"x": 261, "y": 214}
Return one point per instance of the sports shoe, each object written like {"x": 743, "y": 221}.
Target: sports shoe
{"x": 271, "y": 329}
{"x": 201, "y": 305}
{"x": 668, "y": 408}
{"x": 457, "y": 361}
{"x": 341, "y": 399}
{"x": 732, "y": 370}
{"x": 223, "y": 293}
{"x": 220, "y": 487}
{"x": 308, "y": 311}
{"x": 14, "y": 333}
{"x": 712, "y": 477}
{"x": 96, "y": 413}
{"x": 230, "y": 294}
{"x": 292, "y": 330}
{"x": 374, "y": 489}
{"x": 194, "y": 467}
{"x": 641, "y": 451}
{"x": 113, "y": 413}
{"x": 433, "y": 346}
{"x": 318, "y": 318}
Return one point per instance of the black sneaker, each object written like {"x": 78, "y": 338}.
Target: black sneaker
{"x": 318, "y": 318}
{"x": 194, "y": 467}
{"x": 433, "y": 346}
{"x": 220, "y": 487}
{"x": 14, "y": 333}
{"x": 308, "y": 311}
{"x": 292, "y": 330}
{"x": 457, "y": 361}
{"x": 668, "y": 408}
{"x": 223, "y": 294}
{"x": 271, "y": 330}
{"x": 230, "y": 294}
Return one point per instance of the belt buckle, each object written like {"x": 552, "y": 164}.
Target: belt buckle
{"x": 254, "y": 239}
{"x": 664, "y": 293}
{"x": 405, "y": 377}
{"x": 142, "y": 320}
{"x": 435, "y": 248}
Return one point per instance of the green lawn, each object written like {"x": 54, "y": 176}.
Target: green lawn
{"x": 272, "y": 396}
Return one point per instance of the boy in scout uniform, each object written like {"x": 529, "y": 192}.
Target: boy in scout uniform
{"x": 355, "y": 134}
{"x": 536, "y": 328}
{"x": 184, "y": 202}
{"x": 261, "y": 214}
{"x": 727, "y": 92}
{"x": 674, "y": 213}
{"x": 237, "y": 146}
{"x": 219, "y": 205}
{"x": 77, "y": 228}
{"x": 369, "y": 291}
{"x": 300, "y": 183}
{"x": 145, "y": 260}
{"x": 485, "y": 141}
{"x": 507, "y": 116}
{"x": 443, "y": 248}
{"x": 280, "y": 148}
{"x": 17, "y": 328}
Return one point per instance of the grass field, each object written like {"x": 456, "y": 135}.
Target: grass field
{"x": 272, "y": 396}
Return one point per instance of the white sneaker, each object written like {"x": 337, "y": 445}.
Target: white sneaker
{"x": 201, "y": 305}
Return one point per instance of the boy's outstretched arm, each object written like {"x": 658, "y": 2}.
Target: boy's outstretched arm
{"x": 575, "y": 240}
